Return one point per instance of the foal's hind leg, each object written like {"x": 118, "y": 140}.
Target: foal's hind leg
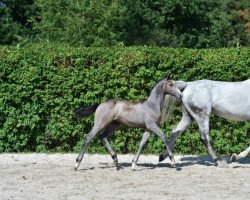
{"x": 87, "y": 140}
{"x": 111, "y": 151}
{"x": 104, "y": 137}
{"x": 142, "y": 143}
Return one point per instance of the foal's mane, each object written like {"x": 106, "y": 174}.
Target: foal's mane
{"x": 166, "y": 76}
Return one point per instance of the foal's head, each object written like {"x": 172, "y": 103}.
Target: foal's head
{"x": 169, "y": 87}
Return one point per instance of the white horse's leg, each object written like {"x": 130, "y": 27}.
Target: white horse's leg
{"x": 243, "y": 154}
{"x": 203, "y": 124}
{"x": 186, "y": 120}
{"x": 155, "y": 128}
{"x": 201, "y": 113}
{"x": 144, "y": 140}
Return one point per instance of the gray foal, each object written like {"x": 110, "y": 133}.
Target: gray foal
{"x": 111, "y": 114}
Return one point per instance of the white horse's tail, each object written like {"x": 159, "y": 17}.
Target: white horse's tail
{"x": 181, "y": 85}
{"x": 170, "y": 101}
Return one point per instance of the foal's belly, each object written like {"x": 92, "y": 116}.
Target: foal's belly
{"x": 130, "y": 115}
{"x": 131, "y": 121}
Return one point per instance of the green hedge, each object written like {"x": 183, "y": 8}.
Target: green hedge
{"x": 42, "y": 85}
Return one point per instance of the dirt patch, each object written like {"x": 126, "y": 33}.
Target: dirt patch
{"x": 51, "y": 176}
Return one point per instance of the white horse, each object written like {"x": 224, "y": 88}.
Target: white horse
{"x": 230, "y": 100}
{"x": 243, "y": 154}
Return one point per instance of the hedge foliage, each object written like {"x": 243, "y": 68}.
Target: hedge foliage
{"x": 42, "y": 85}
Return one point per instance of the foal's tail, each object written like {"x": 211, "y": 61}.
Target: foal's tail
{"x": 84, "y": 112}
{"x": 170, "y": 101}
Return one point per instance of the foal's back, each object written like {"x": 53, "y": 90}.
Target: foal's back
{"x": 125, "y": 112}
{"x": 230, "y": 100}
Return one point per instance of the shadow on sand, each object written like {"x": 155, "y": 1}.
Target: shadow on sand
{"x": 207, "y": 161}
{"x": 181, "y": 163}
{"x": 124, "y": 165}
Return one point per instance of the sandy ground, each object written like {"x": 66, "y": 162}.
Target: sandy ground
{"x": 51, "y": 176}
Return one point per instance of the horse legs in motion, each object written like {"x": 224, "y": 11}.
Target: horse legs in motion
{"x": 203, "y": 124}
{"x": 243, "y": 154}
{"x": 104, "y": 137}
{"x": 144, "y": 140}
{"x": 186, "y": 120}
{"x": 99, "y": 124}
{"x": 109, "y": 130}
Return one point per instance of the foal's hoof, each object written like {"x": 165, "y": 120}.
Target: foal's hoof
{"x": 116, "y": 163}
{"x": 233, "y": 157}
{"x": 161, "y": 158}
{"x": 221, "y": 163}
{"x": 76, "y": 165}
{"x": 133, "y": 167}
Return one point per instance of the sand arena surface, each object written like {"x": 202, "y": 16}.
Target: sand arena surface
{"x": 51, "y": 176}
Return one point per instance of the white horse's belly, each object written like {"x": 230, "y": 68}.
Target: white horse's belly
{"x": 236, "y": 109}
{"x": 232, "y": 101}
{"x": 232, "y": 115}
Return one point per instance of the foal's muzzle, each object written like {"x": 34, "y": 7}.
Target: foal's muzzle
{"x": 178, "y": 95}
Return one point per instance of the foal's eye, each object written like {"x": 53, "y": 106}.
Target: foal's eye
{"x": 171, "y": 84}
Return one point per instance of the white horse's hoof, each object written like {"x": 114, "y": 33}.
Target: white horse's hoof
{"x": 233, "y": 157}
{"x": 76, "y": 165}
{"x": 173, "y": 164}
{"x": 133, "y": 167}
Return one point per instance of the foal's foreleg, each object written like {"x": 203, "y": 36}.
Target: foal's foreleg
{"x": 142, "y": 144}
{"x": 154, "y": 128}
{"x": 176, "y": 132}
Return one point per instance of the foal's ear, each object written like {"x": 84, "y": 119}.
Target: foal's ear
{"x": 168, "y": 77}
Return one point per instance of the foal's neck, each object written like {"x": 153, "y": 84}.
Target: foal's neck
{"x": 156, "y": 98}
